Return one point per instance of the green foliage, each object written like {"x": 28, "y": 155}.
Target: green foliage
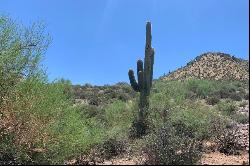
{"x": 212, "y": 100}
{"x": 91, "y": 111}
{"x": 236, "y": 97}
{"x": 224, "y": 91}
{"x": 227, "y": 107}
{"x": 201, "y": 88}
{"x": 73, "y": 135}
{"x": 160, "y": 106}
{"x": 170, "y": 104}
{"x": 21, "y": 50}
{"x": 243, "y": 103}
{"x": 201, "y": 121}
{"x": 77, "y": 130}
{"x": 241, "y": 118}
{"x": 171, "y": 147}
{"x": 103, "y": 95}
{"x": 246, "y": 96}
{"x": 120, "y": 116}
{"x": 176, "y": 90}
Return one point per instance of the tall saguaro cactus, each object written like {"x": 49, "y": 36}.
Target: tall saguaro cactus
{"x": 145, "y": 76}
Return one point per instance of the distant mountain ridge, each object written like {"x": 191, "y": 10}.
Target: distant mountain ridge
{"x": 214, "y": 66}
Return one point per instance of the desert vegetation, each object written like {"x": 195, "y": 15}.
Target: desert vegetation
{"x": 44, "y": 122}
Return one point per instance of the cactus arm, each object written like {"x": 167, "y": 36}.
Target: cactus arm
{"x": 140, "y": 80}
{"x": 139, "y": 66}
{"x": 133, "y": 81}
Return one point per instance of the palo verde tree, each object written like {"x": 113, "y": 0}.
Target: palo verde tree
{"x": 21, "y": 49}
{"x": 144, "y": 84}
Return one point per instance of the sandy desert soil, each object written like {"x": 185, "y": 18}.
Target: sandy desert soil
{"x": 213, "y": 158}
{"x": 217, "y": 158}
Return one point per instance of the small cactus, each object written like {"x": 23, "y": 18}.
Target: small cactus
{"x": 145, "y": 76}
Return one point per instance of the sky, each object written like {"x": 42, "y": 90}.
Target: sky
{"x": 98, "y": 41}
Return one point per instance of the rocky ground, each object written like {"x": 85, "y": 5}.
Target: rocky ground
{"x": 243, "y": 136}
{"x": 243, "y": 129}
{"x": 216, "y": 158}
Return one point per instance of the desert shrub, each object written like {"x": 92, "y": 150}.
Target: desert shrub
{"x": 224, "y": 90}
{"x": 195, "y": 116}
{"x": 91, "y": 111}
{"x": 218, "y": 124}
{"x": 160, "y": 104}
{"x": 227, "y": 107}
{"x": 124, "y": 97}
{"x": 77, "y": 132}
{"x": 174, "y": 89}
{"x": 241, "y": 90}
{"x": 138, "y": 129}
{"x": 246, "y": 96}
{"x": 111, "y": 148}
{"x": 32, "y": 112}
{"x": 241, "y": 118}
{"x": 94, "y": 100}
{"x": 68, "y": 88}
{"x": 103, "y": 95}
{"x": 120, "y": 116}
{"x": 227, "y": 141}
{"x": 212, "y": 100}
{"x": 170, "y": 147}
{"x": 243, "y": 103}
{"x": 8, "y": 151}
{"x": 201, "y": 88}
{"x": 199, "y": 119}
{"x": 235, "y": 97}
{"x": 191, "y": 95}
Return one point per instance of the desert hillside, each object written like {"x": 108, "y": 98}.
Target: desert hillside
{"x": 213, "y": 65}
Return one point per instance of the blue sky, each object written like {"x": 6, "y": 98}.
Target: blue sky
{"x": 97, "y": 41}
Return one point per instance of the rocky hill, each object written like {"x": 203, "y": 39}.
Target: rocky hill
{"x": 212, "y": 65}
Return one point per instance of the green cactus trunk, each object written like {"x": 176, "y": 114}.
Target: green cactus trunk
{"x": 145, "y": 76}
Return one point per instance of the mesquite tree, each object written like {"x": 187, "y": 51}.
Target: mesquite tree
{"x": 145, "y": 76}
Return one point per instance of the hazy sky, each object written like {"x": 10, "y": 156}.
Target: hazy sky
{"x": 97, "y": 41}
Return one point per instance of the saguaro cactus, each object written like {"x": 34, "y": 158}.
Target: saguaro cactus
{"x": 145, "y": 76}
